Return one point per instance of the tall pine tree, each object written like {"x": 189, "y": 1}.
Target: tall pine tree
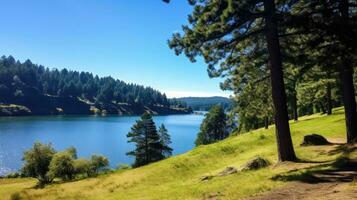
{"x": 222, "y": 30}
{"x": 165, "y": 140}
{"x": 148, "y": 146}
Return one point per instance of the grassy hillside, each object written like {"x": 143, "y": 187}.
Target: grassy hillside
{"x": 179, "y": 177}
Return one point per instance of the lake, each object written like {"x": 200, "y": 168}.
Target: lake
{"x": 104, "y": 135}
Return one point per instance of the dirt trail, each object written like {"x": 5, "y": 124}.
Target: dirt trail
{"x": 308, "y": 191}
{"x": 326, "y": 185}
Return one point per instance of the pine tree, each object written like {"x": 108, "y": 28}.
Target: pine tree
{"x": 221, "y": 30}
{"x": 165, "y": 140}
{"x": 148, "y": 146}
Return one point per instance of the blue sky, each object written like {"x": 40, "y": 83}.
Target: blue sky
{"x": 126, "y": 39}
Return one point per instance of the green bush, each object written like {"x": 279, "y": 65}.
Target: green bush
{"x": 37, "y": 161}
{"x": 99, "y": 163}
{"x": 83, "y": 166}
{"x": 42, "y": 162}
{"x": 62, "y": 166}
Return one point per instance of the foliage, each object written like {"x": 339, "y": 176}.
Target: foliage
{"x": 62, "y": 166}
{"x": 99, "y": 163}
{"x": 27, "y": 80}
{"x": 45, "y": 164}
{"x": 241, "y": 34}
{"x": 213, "y": 127}
{"x": 83, "y": 166}
{"x": 165, "y": 141}
{"x": 149, "y": 146}
{"x": 37, "y": 162}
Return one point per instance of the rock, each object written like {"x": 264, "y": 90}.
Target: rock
{"x": 206, "y": 178}
{"x": 255, "y": 164}
{"x": 314, "y": 139}
{"x": 228, "y": 171}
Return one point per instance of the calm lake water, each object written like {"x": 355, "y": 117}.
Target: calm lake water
{"x": 89, "y": 134}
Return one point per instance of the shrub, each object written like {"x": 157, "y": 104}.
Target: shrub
{"x": 99, "y": 163}
{"x": 83, "y": 166}
{"x": 37, "y": 162}
{"x": 62, "y": 166}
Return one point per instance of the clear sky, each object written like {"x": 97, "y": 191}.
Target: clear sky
{"x": 126, "y": 39}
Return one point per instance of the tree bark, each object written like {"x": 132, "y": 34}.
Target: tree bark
{"x": 346, "y": 76}
{"x": 328, "y": 93}
{"x": 284, "y": 142}
{"x": 294, "y": 107}
{"x": 348, "y": 94}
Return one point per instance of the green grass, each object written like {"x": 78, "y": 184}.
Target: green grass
{"x": 179, "y": 177}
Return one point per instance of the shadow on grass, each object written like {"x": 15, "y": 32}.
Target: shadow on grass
{"x": 344, "y": 149}
{"x": 342, "y": 169}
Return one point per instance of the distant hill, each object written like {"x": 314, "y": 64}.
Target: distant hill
{"x": 31, "y": 89}
{"x": 205, "y": 103}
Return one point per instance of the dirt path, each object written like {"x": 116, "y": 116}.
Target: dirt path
{"x": 327, "y": 185}
{"x": 308, "y": 191}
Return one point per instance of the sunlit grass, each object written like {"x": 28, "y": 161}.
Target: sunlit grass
{"x": 179, "y": 177}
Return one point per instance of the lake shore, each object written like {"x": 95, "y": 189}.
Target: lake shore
{"x": 91, "y": 134}
{"x": 52, "y": 105}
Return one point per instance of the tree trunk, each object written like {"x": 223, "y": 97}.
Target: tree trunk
{"x": 294, "y": 107}
{"x": 328, "y": 93}
{"x": 348, "y": 92}
{"x": 284, "y": 142}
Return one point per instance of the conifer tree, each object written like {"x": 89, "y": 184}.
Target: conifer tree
{"x": 148, "y": 146}
{"x": 221, "y": 30}
{"x": 331, "y": 27}
{"x": 165, "y": 140}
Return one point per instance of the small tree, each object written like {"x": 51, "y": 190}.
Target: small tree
{"x": 148, "y": 145}
{"x": 213, "y": 127}
{"x": 165, "y": 140}
{"x": 37, "y": 162}
{"x": 62, "y": 166}
{"x": 98, "y": 163}
{"x": 83, "y": 166}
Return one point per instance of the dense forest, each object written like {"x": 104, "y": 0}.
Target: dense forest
{"x": 205, "y": 103}
{"x": 40, "y": 90}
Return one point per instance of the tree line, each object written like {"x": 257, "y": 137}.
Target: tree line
{"x": 22, "y": 79}
{"x": 281, "y": 59}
